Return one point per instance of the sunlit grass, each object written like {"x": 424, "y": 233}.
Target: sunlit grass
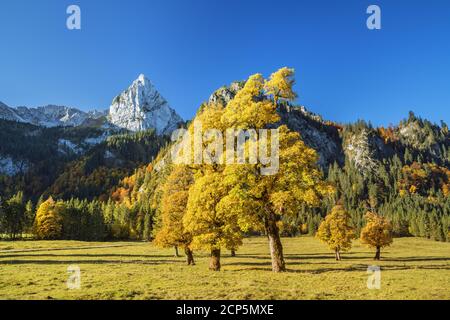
{"x": 412, "y": 268}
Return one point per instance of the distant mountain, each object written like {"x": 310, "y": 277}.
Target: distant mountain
{"x": 36, "y": 143}
{"x": 142, "y": 107}
{"x": 54, "y": 116}
{"x": 48, "y": 116}
{"x": 138, "y": 108}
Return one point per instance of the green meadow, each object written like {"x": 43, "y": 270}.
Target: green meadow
{"x": 412, "y": 268}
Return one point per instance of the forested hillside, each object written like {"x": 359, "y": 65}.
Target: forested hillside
{"x": 32, "y": 157}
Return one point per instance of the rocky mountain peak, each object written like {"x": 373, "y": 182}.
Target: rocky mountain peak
{"x": 142, "y": 78}
{"x": 224, "y": 94}
{"x": 142, "y": 107}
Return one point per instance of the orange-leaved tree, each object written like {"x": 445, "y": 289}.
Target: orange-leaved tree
{"x": 377, "y": 233}
{"x": 173, "y": 208}
{"x": 48, "y": 223}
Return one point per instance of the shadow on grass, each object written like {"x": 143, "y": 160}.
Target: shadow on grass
{"x": 51, "y": 262}
{"x": 144, "y": 256}
{"x": 323, "y": 257}
{"x": 347, "y": 256}
{"x": 355, "y": 268}
{"x": 417, "y": 259}
{"x": 306, "y": 256}
{"x": 68, "y": 248}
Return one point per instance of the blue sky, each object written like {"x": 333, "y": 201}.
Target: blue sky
{"x": 189, "y": 48}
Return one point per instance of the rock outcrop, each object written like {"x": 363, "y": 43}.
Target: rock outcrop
{"x": 142, "y": 107}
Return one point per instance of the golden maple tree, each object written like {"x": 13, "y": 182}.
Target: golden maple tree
{"x": 173, "y": 208}
{"x": 336, "y": 231}
{"x": 377, "y": 233}
{"x": 48, "y": 223}
{"x": 296, "y": 182}
{"x": 213, "y": 226}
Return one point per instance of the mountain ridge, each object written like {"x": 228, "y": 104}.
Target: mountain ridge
{"x": 139, "y": 107}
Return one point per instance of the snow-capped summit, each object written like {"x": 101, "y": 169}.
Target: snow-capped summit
{"x": 141, "y": 78}
{"x": 142, "y": 107}
{"x": 48, "y": 116}
{"x": 52, "y": 116}
{"x": 139, "y": 107}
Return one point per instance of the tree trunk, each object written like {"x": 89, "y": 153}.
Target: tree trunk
{"x": 275, "y": 246}
{"x": 176, "y": 251}
{"x": 214, "y": 263}
{"x": 233, "y": 253}
{"x": 337, "y": 255}
{"x": 378, "y": 253}
{"x": 189, "y": 256}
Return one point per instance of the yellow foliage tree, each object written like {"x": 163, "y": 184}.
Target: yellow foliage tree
{"x": 173, "y": 208}
{"x": 248, "y": 109}
{"x": 280, "y": 85}
{"x": 212, "y": 225}
{"x": 48, "y": 223}
{"x": 336, "y": 231}
{"x": 266, "y": 198}
{"x": 228, "y": 199}
{"x": 298, "y": 180}
{"x": 304, "y": 228}
{"x": 377, "y": 233}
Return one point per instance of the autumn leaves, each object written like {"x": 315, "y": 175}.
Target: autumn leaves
{"x": 336, "y": 231}
{"x": 210, "y": 205}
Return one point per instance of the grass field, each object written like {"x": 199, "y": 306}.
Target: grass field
{"x": 412, "y": 268}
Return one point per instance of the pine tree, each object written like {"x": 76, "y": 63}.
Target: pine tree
{"x": 14, "y": 218}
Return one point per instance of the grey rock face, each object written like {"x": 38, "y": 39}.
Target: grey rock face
{"x": 224, "y": 94}
{"x": 359, "y": 151}
{"x": 315, "y": 133}
{"x": 142, "y": 107}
